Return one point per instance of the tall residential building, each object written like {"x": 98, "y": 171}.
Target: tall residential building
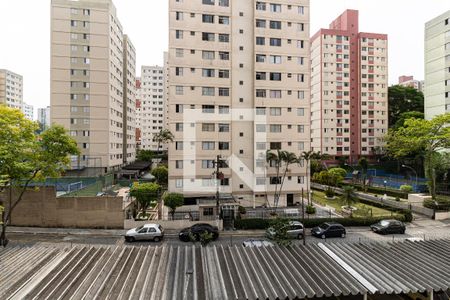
{"x": 92, "y": 82}
{"x": 11, "y": 89}
{"x": 43, "y": 117}
{"x": 349, "y": 85}
{"x": 28, "y": 111}
{"x": 409, "y": 81}
{"x": 138, "y": 113}
{"x": 437, "y": 66}
{"x": 238, "y": 86}
{"x": 152, "y": 106}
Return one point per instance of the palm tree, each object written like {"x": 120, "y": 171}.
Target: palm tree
{"x": 364, "y": 165}
{"x": 163, "y": 137}
{"x": 274, "y": 159}
{"x": 349, "y": 197}
{"x": 309, "y": 156}
{"x": 288, "y": 158}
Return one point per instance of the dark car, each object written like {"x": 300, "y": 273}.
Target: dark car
{"x": 327, "y": 230}
{"x": 196, "y": 230}
{"x": 388, "y": 226}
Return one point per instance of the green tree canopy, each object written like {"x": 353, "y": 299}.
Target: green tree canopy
{"x": 26, "y": 156}
{"x": 145, "y": 155}
{"x": 406, "y": 116}
{"x": 173, "y": 201}
{"x": 427, "y": 137}
{"x": 403, "y": 99}
{"x": 161, "y": 174}
{"x": 146, "y": 194}
{"x": 163, "y": 137}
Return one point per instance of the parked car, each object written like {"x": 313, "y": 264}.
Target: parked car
{"x": 295, "y": 230}
{"x": 153, "y": 232}
{"x": 388, "y": 226}
{"x": 327, "y": 230}
{"x": 257, "y": 243}
{"x": 196, "y": 230}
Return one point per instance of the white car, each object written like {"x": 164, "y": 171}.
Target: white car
{"x": 153, "y": 232}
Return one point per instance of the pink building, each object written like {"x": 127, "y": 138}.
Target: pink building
{"x": 349, "y": 82}
{"x": 409, "y": 81}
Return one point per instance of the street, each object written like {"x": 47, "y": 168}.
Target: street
{"x": 420, "y": 228}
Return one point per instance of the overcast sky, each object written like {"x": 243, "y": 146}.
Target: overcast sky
{"x": 25, "y": 34}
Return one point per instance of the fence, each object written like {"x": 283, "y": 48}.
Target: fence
{"x": 289, "y": 213}
{"x": 386, "y": 202}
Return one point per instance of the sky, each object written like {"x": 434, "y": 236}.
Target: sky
{"x": 25, "y": 34}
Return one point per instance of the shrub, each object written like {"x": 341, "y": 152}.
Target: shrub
{"x": 441, "y": 204}
{"x": 310, "y": 209}
{"x": 329, "y": 192}
{"x": 280, "y": 226}
{"x": 242, "y": 210}
{"x": 381, "y": 191}
{"x": 406, "y": 188}
{"x": 397, "y": 199}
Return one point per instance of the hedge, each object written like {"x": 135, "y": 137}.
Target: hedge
{"x": 249, "y": 224}
{"x": 381, "y": 191}
{"x": 440, "y": 204}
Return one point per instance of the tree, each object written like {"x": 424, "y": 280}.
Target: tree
{"x": 364, "y": 165}
{"x": 161, "y": 174}
{"x": 26, "y": 156}
{"x": 145, "y": 155}
{"x": 280, "y": 228}
{"x": 337, "y": 176}
{"x": 172, "y": 201}
{"x": 403, "y": 99}
{"x": 309, "y": 156}
{"x": 163, "y": 137}
{"x": 348, "y": 196}
{"x": 281, "y": 161}
{"x": 146, "y": 194}
{"x": 427, "y": 137}
{"x": 408, "y": 115}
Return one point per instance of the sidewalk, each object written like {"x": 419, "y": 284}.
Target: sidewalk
{"x": 113, "y": 232}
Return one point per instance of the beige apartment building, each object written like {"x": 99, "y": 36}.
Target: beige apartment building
{"x": 93, "y": 82}
{"x": 437, "y": 66}
{"x": 11, "y": 89}
{"x": 238, "y": 86}
{"x": 349, "y": 86}
{"x": 153, "y": 105}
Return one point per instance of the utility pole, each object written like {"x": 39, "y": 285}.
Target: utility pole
{"x": 218, "y": 176}
{"x": 303, "y": 219}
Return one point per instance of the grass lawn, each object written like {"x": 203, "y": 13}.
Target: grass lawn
{"x": 363, "y": 210}
{"x": 89, "y": 191}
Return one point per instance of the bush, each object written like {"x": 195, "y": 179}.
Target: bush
{"x": 441, "y": 204}
{"x": 310, "y": 209}
{"x": 329, "y": 192}
{"x": 381, "y": 191}
{"x": 406, "y": 188}
{"x": 242, "y": 210}
{"x": 313, "y": 222}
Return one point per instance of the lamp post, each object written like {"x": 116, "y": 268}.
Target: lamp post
{"x": 410, "y": 168}
{"x": 385, "y": 182}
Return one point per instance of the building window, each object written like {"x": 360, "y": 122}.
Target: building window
{"x": 300, "y": 128}
{"x": 179, "y": 108}
{"x": 179, "y": 90}
{"x": 260, "y": 23}
{"x": 224, "y": 20}
{"x": 224, "y": 127}
{"x": 275, "y": 111}
{"x": 208, "y": 55}
{"x": 275, "y": 76}
{"x": 260, "y": 5}
{"x": 275, "y": 128}
{"x": 224, "y": 146}
{"x": 275, "y": 42}
{"x": 179, "y": 71}
{"x": 261, "y": 58}
{"x": 224, "y": 74}
{"x": 179, "y": 127}
{"x": 261, "y": 93}
{"x": 224, "y": 92}
{"x": 260, "y": 127}
{"x": 208, "y": 127}
{"x": 261, "y": 111}
{"x": 179, "y": 145}
{"x": 208, "y": 2}
{"x": 223, "y": 110}
{"x": 275, "y": 94}
{"x": 275, "y": 59}
{"x": 224, "y": 55}
{"x": 208, "y": 73}
{"x": 178, "y": 183}
{"x": 178, "y": 164}
{"x": 208, "y": 91}
{"x": 275, "y": 24}
{"x": 208, "y": 36}
{"x": 260, "y": 41}
{"x": 179, "y": 52}
{"x": 224, "y": 38}
{"x": 275, "y": 8}
{"x": 208, "y": 18}
{"x": 207, "y": 164}
{"x": 260, "y": 76}
{"x": 179, "y": 34}
{"x": 224, "y": 3}
{"x": 208, "y": 146}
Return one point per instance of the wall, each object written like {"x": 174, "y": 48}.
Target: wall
{"x": 444, "y": 215}
{"x": 42, "y": 208}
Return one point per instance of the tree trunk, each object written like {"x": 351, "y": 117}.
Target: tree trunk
{"x": 3, "y": 239}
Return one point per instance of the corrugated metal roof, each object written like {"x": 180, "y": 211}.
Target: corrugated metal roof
{"x": 223, "y": 272}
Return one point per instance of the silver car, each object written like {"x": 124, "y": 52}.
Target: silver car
{"x": 153, "y": 232}
{"x": 295, "y": 230}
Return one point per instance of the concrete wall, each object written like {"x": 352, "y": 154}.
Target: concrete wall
{"x": 42, "y": 208}
{"x": 443, "y": 215}
{"x": 171, "y": 225}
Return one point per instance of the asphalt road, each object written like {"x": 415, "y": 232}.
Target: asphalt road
{"x": 419, "y": 229}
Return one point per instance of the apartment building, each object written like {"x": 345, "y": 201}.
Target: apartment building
{"x": 11, "y": 89}
{"x": 409, "y": 81}
{"x": 43, "y": 117}
{"x": 238, "y": 86}
{"x": 28, "y": 111}
{"x": 138, "y": 113}
{"x": 92, "y": 82}
{"x": 153, "y": 106}
{"x": 349, "y": 86}
{"x": 437, "y": 66}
